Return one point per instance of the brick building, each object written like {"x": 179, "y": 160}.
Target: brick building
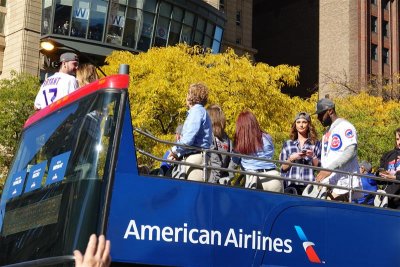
{"x": 336, "y": 43}
{"x": 239, "y": 26}
{"x": 364, "y": 47}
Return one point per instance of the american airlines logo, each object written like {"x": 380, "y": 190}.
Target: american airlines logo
{"x": 308, "y": 246}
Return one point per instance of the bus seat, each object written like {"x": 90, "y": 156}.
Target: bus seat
{"x": 381, "y": 201}
{"x": 290, "y": 190}
{"x": 315, "y": 191}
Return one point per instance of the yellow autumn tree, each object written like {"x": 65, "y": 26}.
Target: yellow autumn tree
{"x": 160, "y": 79}
{"x": 375, "y": 121}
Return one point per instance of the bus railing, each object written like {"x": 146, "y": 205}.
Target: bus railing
{"x": 206, "y": 167}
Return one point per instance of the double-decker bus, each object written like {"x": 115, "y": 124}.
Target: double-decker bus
{"x": 75, "y": 173}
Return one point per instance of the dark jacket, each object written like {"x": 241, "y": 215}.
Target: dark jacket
{"x": 389, "y": 161}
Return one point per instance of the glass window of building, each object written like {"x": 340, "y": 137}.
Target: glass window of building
{"x": 161, "y": 35}
{"x": 174, "y": 33}
{"x": 207, "y": 42}
{"x": 216, "y": 46}
{"x": 374, "y": 24}
{"x": 385, "y": 29}
{"x": 146, "y": 32}
{"x": 198, "y": 38}
{"x": 238, "y": 18}
{"x": 208, "y": 37}
{"x": 189, "y": 18}
{"x": 373, "y": 2}
{"x": 97, "y": 20}
{"x": 176, "y": 25}
{"x": 46, "y": 16}
{"x": 374, "y": 52}
{"x": 177, "y": 14}
{"x": 187, "y": 28}
{"x": 80, "y": 18}
{"x": 150, "y": 5}
{"x": 163, "y": 22}
{"x": 2, "y": 21}
{"x": 62, "y": 17}
{"x": 199, "y": 34}
{"x": 116, "y": 22}
{"x": 165, "y": 9}
{"x": 210, "y": 29}
{"x": 132, "y": 26}
{"x": 385, "y": 56}
{"x": 3, "y": 2}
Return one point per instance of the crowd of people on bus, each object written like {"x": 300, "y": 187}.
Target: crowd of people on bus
{"x": 205, "y": 128}
{"x": 337, "y": 150}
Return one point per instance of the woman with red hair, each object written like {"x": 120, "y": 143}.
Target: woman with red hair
{"x": 251, "y": 140}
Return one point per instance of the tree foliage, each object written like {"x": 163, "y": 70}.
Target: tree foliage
{"x": 386, "y": 87}
{"x": 17, "y": 95}
{"x": 160, "y": 79}
{"x": 158, "y": 88}
{"x": 375, "y": 120}
{"x": 161, "y": 76}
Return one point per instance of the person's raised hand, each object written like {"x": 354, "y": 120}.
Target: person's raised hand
{"x": 97, "y": 253}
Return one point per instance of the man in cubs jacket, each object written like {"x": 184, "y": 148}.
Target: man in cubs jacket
{"x": 339, "y": 150}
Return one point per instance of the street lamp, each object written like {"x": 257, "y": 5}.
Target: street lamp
{"x": 46, "y": 45}
{"x": 51, "y": 45}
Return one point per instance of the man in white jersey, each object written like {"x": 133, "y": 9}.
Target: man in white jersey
{"x": 60, "y": 83}
{"x": 339, "y": 150}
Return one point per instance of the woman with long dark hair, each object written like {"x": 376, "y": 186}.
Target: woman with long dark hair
{"x": 221, "y": 142}
{"x": 251, "y": 140}
{"x": 303, "y": 147}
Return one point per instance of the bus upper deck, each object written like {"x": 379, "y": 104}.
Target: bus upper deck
{"x": 75, "y": 173}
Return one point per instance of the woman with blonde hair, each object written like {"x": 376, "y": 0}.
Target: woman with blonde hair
{"x": 196, "y": 131}
{"x": 251, "y": 140}
{"x": 86, "y": 74}
{"x": 303, "y": 147}
{"x": 221, "y": 142}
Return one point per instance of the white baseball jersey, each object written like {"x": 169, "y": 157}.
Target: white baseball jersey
{"x": 339, "y": 136}
{"x": 55, "y": 87}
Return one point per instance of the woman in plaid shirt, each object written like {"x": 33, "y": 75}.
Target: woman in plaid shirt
{"x": 303, "y": 147}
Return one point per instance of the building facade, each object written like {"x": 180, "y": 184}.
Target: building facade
{"x": 3, "y": 12}
{"x": 239, "y": 26}
{"x": 339, "y": 44}
{"x": 95, "y": 28}
{"x": 364, "y": 48}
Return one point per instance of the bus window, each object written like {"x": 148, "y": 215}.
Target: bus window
{"x": 53, "y": 193}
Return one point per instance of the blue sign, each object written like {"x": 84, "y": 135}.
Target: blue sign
{"x": 58, "y": 166}
{"x": 35, "y": 176}
{"x": 17, "y": 182}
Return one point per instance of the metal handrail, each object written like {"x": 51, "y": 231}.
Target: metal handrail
{"x": 206, "y": 167}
